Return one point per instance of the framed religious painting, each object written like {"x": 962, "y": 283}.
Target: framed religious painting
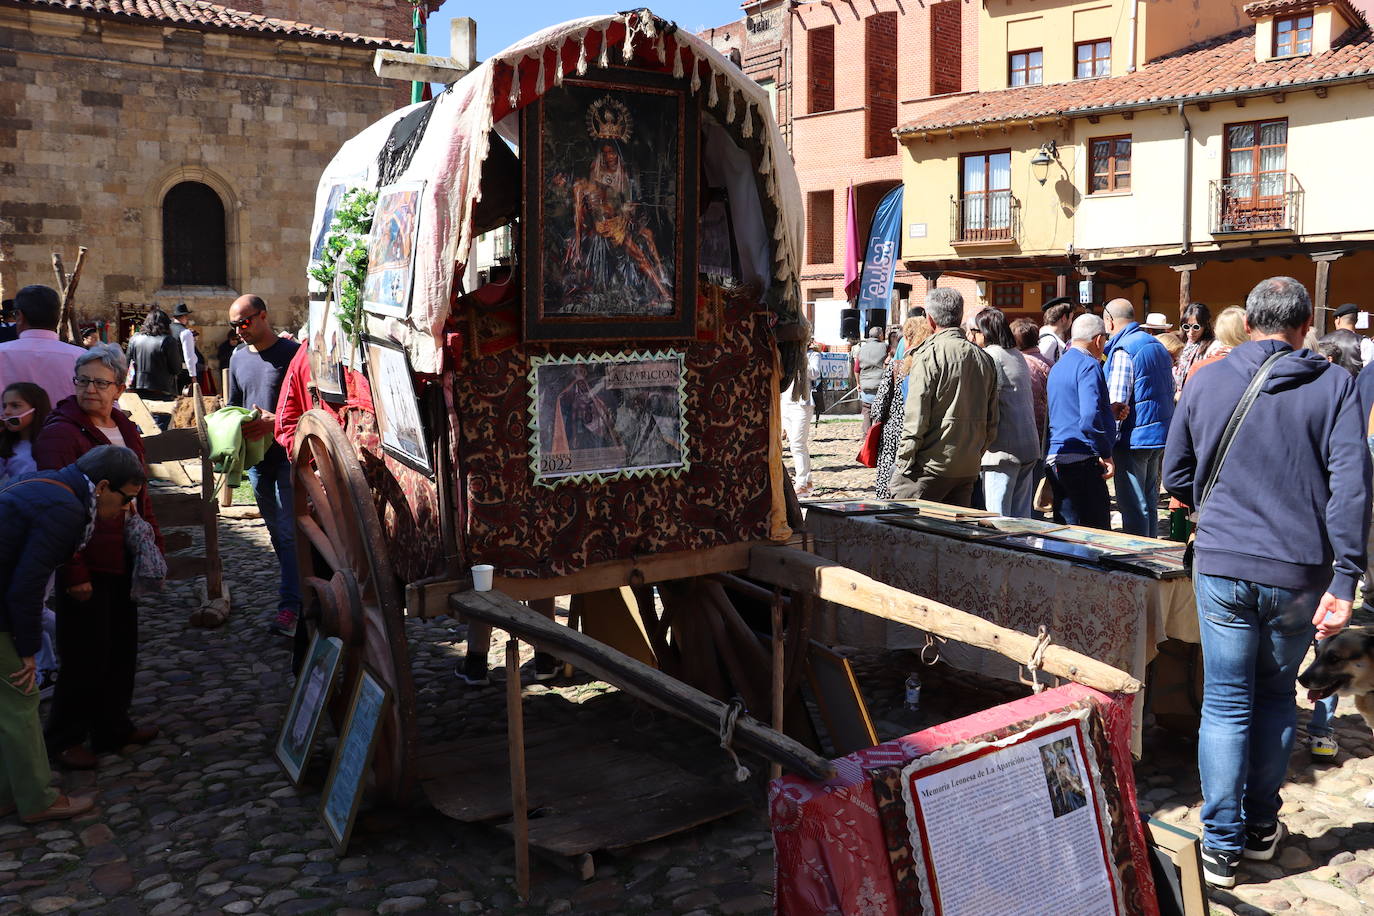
{"x": 398, "y": 408}
{"x": 610, "y": 205}
{"x": 607, "y": 416}
{"x": 391, "y": 249}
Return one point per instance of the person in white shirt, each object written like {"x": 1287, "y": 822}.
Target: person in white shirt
{"x": 797, "y": 414}
{"x": 1054, "y": 334}
{"x": 1346, "y": 316}
{"x": 181, "y": 327}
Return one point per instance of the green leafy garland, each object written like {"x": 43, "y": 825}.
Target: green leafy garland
{"x": 345, "y": 247}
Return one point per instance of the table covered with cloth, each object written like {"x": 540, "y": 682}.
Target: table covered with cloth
{"x": 1114, "y": 617}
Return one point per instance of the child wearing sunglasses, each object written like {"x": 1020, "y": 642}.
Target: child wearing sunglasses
{"x": 23, "y": 409}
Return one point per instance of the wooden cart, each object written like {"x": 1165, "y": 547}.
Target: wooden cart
{"x": 655, "y": 558}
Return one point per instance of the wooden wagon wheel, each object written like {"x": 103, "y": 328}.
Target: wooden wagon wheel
{"x": 335, "y": 515}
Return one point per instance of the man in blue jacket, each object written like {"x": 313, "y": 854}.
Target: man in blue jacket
{"x": 47, "y": 517}
{"x": 1140, "y": 383}
{"x": 1280, "y": 545}
{"x": 1082, "y": 429}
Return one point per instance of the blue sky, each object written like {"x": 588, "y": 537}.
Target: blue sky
{"x": 502, "y": 23}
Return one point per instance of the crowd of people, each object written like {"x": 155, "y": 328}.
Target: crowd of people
{"x": 73, "y": 493}
{"x": 1257, "y": 430}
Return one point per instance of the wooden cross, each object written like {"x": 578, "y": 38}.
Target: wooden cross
{"x": 431, "y": 68}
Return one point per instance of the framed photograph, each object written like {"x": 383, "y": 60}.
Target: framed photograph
{"x": 398, "y": 408}
{"x": 607, "y": 416}
{"x": 308, "y": 702}
{"x": 331, "y": 206}
{"x": 391, "y": 249}
{"x": 944, "y": 527}
{"x": 326, "y": 348}
{"x": 343, "y": 792}
{"x": 611, "y": 205}
{"x": 1032, "y": 802}
{"x": 839, "y": 700}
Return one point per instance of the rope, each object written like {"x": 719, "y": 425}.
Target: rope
{"x": 1037, "y": 658}
{"x": 728, "y": 715}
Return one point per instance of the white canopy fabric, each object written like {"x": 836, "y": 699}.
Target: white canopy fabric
{"x": 450, "y": 155}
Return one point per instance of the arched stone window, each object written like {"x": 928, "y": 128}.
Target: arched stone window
{"x": 193, "y": 237}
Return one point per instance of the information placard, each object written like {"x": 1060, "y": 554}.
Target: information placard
{"x": 1015, "y": 826}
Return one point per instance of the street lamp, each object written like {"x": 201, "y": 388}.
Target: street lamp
{"x": 1040, "y": 164}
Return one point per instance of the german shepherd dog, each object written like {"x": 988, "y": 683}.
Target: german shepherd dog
{"x": 1344, "y": 664}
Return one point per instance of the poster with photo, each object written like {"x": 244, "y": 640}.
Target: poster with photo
{"x": 397, "y": 407}
{"x": 331, "y": 206}
{"x": 391, "y": 249}
{"x": 1018, "y": 825}
{"x": 599, "y": 417}
{"x": 327, "y": 345}
{"x": 308, "y": 700}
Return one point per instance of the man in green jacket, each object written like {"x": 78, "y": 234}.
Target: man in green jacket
{"x": 951, "y": 410}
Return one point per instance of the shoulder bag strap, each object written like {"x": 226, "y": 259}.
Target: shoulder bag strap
{"x": 56, "y": 483}
{"x": 1247, "y": 400}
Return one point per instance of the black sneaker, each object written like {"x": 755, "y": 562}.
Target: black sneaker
{"x": 473, "y": 672}
{"x": 1262, "y": 841}
{"x": 1218, "y": 867}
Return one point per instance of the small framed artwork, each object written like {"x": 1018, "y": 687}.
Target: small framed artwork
{"x": 391, "y": 249}
{"x": 398, "y": 409}
{"x": 326, "y": 346}
{"x": 308, "y": 702}
{"x": 848, "y": 506}
{"x": 607, "y": 416}
{"x": 331, "y": 206}
{"x": 611, "y": 193}
{"x": 343, "y": 792}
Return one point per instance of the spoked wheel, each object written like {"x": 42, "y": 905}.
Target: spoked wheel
{"x": 355, "y": 591}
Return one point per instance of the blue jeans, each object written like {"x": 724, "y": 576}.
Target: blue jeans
{"x": 1254, "y": 638}
{"x": 1320, "y": 726}
{"x": 1137, "y": 489}
{"x": 272, "y": 488}
{"x": 1008, "y": 488}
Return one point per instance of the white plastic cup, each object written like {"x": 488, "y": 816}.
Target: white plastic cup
{"x": 481, "y": 577}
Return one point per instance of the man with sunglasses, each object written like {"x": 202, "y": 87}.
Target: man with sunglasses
{"x": 37, "y": 355}
{"x": 256, "y": 373}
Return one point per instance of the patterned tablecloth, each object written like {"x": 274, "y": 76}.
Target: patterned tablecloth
{"x": 1114, "y": 617}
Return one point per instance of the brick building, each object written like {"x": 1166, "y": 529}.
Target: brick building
{"x": 846, "y": 75}
{"x": 181, "y": 142}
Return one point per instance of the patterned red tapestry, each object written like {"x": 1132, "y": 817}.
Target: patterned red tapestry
{"x": 531, "y": 531}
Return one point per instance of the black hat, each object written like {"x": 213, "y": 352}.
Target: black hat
{"x": 1061, "y": 300}
{"x": 180, "y": 310}
{"x": 1349, "y": 308}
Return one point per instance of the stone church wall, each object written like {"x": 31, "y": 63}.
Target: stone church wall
{"x": 99, "y": 119}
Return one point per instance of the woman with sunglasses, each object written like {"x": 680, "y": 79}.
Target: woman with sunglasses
{"x": 1199, "y": 342}
{"x": 23, "y": 408}
{"x": 97, "y": 618}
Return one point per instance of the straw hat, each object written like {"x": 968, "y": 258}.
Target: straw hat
{"x": 1155, "y": 321}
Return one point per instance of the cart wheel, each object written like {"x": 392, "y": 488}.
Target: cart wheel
{"x": 336, "y": 516}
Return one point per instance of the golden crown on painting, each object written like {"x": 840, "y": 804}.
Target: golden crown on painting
{"x": 608, "y": 119}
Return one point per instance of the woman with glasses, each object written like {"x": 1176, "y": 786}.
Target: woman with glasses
{"x": 97, "y": 618}
{"x": 1199, "y": 342}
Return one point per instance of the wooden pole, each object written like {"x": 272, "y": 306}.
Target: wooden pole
{"x": 515, "y": 733}
{"x": 66, "y": 327}
{"x": 214, "y": 565}
{"x": 804, "y": 572}
{"x": 775, "y": 770}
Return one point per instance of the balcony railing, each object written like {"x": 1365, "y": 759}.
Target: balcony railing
{"x": 1271, "y": 202}
{"x": 993, "y": 216}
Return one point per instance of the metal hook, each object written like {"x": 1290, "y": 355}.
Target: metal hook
{"x": 930, "y": 644}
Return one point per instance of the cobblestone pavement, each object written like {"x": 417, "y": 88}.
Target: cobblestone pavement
{"x": 203, "y": 821}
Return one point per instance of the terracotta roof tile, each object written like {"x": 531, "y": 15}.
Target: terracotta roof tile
{"x": 1221, "y": 66}
{"x": 199, "y": 14}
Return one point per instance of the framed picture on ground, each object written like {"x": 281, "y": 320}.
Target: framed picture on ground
{"x": 397, "y": 407}
{"x": 343, "y": 791}
{"x": 391, "y": 249}
{"x": 611, "y": 196}
{"x": 308, "y": 701}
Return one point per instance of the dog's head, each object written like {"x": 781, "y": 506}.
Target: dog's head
{"x": 1344, "y": 664}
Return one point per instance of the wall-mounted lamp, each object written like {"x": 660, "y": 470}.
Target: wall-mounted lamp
{"x": 982, "y": 289}
{"x": 1040, "y": 164}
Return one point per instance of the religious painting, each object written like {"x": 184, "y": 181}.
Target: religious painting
{"x": 343, "y": 792}
{"x": 331, "y": 206}
{"x": 308, "y": 700}
{"x": 611, "y": 206}
{"x": 391, "y": 249}
{"x": 607, "y": 416}
{"x": 398, "y": 409}
{"x": 327, "y": 346}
